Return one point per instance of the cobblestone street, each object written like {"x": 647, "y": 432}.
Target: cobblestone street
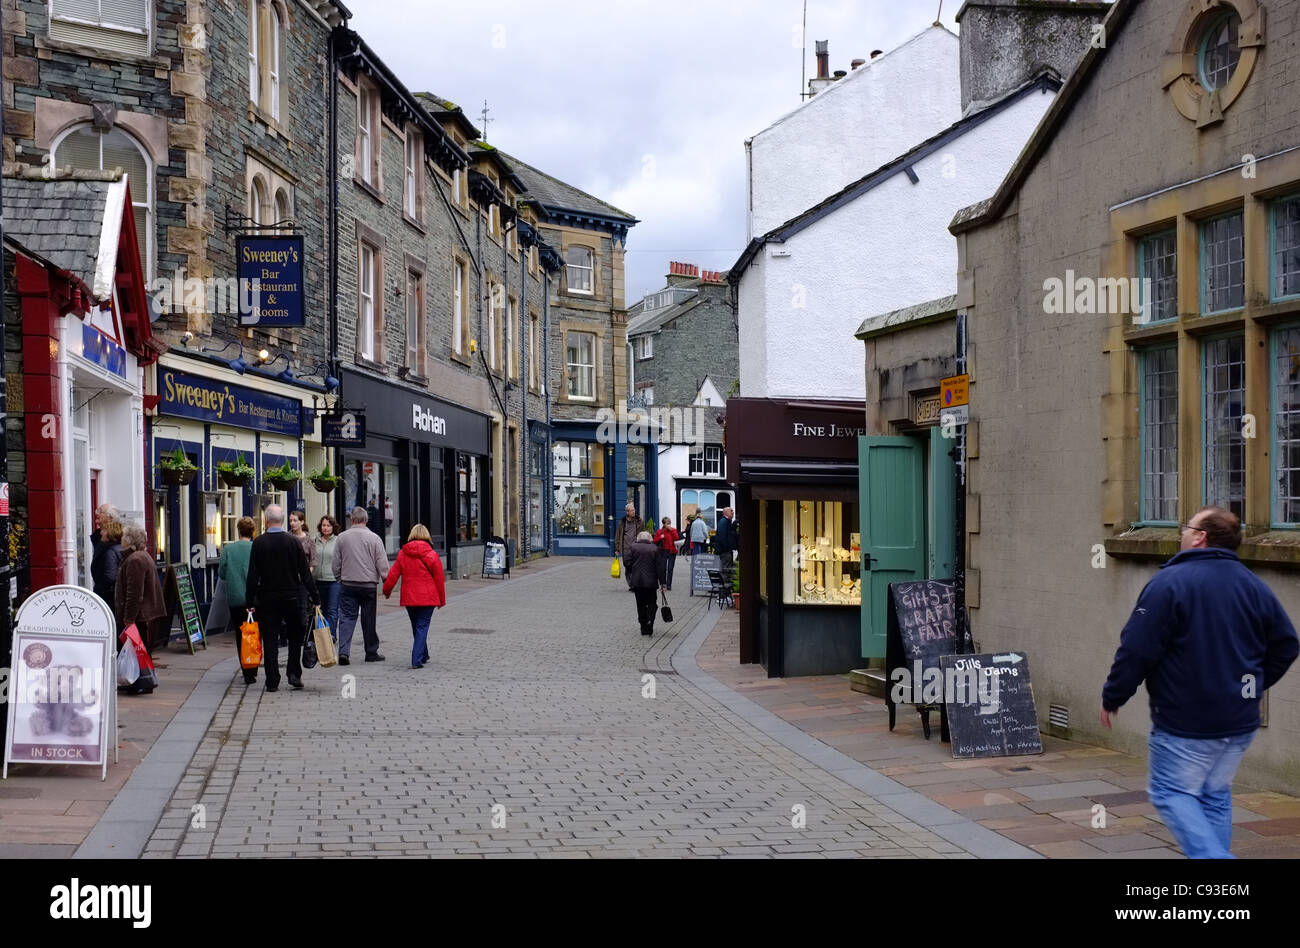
{"x": 533, "y": 704}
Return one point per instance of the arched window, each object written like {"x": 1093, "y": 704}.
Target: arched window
{"x": 273, "y": 60}
{"x": 258, "y": 206}
{"x": 88, "y": 149}
{"x": 1219, "y": 51}
{"x": 282, "y": 210}
{"x": 254, "y": 60}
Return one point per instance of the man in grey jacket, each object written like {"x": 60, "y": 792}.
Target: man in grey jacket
{"x": 360, "y": 564}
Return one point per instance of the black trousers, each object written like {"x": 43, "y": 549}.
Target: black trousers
{"x": 666, "y": 563}
{"x": 273, "y": 618}
{"x": 646, "y": 603}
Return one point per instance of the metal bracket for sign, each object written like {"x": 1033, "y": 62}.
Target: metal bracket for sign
{"x": 237, "y": 222}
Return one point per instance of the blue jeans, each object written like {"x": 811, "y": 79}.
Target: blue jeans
{"x": 357, "y": 600}
{"x": 1191, "y": 788}
{"x": 329, "y": 598}
{"x": 420, "y": 618}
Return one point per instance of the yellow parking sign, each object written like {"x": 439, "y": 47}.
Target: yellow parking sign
{"x": 954, "y": 391}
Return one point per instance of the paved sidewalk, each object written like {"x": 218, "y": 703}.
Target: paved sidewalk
{"x": 49, "y": 812}
{"x": 1044, "y": 802}
{"x": 533, "y": 731}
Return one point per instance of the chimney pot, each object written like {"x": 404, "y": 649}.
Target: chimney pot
{"x": 840, "y": 73}
{"x": 858, "y": 62}
{"x": 875, "y": 53}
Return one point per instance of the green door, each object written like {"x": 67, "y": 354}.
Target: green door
{"x": 891, "y": 485}
{"x": 942, "y": 520}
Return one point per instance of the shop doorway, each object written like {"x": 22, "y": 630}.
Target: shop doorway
{"x": 907, "y": 490}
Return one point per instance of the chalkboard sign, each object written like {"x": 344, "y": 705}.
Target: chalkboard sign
{"x": 991, "y": 705}
{"x": 181, "y": 585}
{"x": 701, "y": 563}
{"x": 921, "y": 626}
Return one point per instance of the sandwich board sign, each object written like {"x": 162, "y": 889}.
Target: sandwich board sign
{"x": 63, "y": 689}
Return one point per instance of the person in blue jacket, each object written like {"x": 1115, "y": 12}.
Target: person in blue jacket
{"x": 1209, "y": 638}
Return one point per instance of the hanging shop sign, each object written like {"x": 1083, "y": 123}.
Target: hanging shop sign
{"x": 345, "y": 428}
{"x": 102, "y": 351}
{"x": 270, "y": 281}
{"x": 192, "y": 396}
{"x": 63, "y": 694}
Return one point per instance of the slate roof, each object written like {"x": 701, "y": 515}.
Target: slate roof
{"x": 1047, "y": 79}
{"x": 555, "y": 194}
{"x": 60, "y": 221}
{"x": 437, "y": 106}
{"x": 913, "y": 315}
{"x": 658, "y": 318}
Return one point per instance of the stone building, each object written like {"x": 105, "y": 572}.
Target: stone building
{"x": 218, "y": 113}
{"x": 1102, "y": 418}
{"x": 683, "y": 364}
{"x": 593, "y": 471}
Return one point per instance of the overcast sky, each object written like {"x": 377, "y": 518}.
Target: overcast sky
{"x": 645, "y": 104}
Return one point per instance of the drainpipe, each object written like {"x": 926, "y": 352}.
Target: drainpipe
{"x": 332, "y": 358}
{"x": 548, "y": 492}
{"x": 960, "y": 457}
{"x": 525, "y": 436}
{"x": 6, "y": 568}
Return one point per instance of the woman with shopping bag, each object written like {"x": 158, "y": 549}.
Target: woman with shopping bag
{"x": 419, "y": 568}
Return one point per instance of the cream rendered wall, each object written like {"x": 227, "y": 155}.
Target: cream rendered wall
{"x": 888, "y": 249}
{"x": 864, "y": 120}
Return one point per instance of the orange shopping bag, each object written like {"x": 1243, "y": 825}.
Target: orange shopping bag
{"x": 250, "y": 643}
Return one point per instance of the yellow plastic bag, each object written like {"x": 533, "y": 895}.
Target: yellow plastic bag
{"x": 615, "y": 570}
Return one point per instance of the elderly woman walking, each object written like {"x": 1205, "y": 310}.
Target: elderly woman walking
{"x": 642, "y": 559}
{"x": 139, "y": 595}
{"x": 419, "y": 568}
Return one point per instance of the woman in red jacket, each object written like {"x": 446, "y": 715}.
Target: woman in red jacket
{"x": 666, "y": 539}
{"x": 420, "y": 569}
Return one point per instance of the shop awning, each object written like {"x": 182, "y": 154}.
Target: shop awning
{"x": 805, "y": 479}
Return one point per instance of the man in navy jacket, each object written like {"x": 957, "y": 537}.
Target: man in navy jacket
{"x": 1209, "y": 638}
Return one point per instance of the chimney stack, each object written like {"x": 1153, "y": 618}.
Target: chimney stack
{"x": 1006, "y": 43}
{"x": 823, "y": 59}
{"x": 679, "y": 273}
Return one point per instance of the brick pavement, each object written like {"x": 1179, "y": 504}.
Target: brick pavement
{"x": 1044, "y": 802}
{"x": 535, "y": 717}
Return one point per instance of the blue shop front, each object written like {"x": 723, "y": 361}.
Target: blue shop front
{"x": 212, "y": 414}
{"x": 593, "y": 476}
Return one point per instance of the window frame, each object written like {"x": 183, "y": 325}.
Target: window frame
{"x": 416, "y": 356}
{"x": 369, "y": 167}
{"x": 147, "y": 32}
{"x": 1273, "y": 207}
{"x": 1276, "y": 522}
{"x": 254, "y": 53}
{"x": 645, "y": 347}
{"x": 508, "y": 334}
{"x": 368, "y": 240}
{"x": 460, "y": 332}
{"x": 1202, "y": 277}
{"x": 568, "y": 366}
{"x": 1142, "y": 243}
{"x": 1143, "y": 495}
{"x": 1204, "y": 344}
{"x": 413, "y": 175}
{"x": 590, "y": 270}
{"x": 1209, "y": 30}
{"x": 274, "y": 66}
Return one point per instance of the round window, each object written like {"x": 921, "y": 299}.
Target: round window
{"x": 1219, "y": 53}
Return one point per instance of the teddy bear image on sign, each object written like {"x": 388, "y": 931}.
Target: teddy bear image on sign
{"x": 72, "y": 695}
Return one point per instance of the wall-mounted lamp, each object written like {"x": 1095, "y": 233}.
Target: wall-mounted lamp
{"x": 237, "y": 364}
{"x": 186, "y": 338}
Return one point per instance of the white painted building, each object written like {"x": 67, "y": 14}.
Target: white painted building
{"x": 879, "y": 244}
{"x": 854, "y": 124}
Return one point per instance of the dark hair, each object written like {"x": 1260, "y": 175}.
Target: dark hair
{"x": 1222, "y": 527}
{"x": 334, "y": 525}
{"x": 246, "y": 526}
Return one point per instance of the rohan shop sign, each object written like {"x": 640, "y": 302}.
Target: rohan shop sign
{"x": 191, "y": 396}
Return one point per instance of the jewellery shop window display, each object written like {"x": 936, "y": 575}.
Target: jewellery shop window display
{"x": 826, "y": 553}
{"x": 579, "y": 469}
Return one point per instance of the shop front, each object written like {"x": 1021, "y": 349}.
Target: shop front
{"x": 424, "y": 461}
{"x": 212, "y": 415}
{"x": 592, "y": 480}
{"x": 797, "y": 509}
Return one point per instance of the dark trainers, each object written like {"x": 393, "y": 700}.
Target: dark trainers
{"x": 295, "y": 683}
{"x": 375, "y": 658}
{"x": 344, "y": 660}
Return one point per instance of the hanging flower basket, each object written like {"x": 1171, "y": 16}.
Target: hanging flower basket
{"x": 179, "y": 476}
{"x": 325, "y": 484}
{"x": 284, "y": 477}
{"x": 283, "y": 483}
{"x": 234, "y": 480}
{"x": 235, "y": 473}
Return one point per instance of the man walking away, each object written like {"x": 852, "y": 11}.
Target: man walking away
{"x": 625, "y": 535}
{"x": 699, "y": 535}
{"x": 277, "y": 576}
{"x": 233, "y": 570}
{"x": 1209, "y": 638}
{"x": 727, "y": 540}
{"x": 360, "y": 564}
{"x": 642, "y": 561}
